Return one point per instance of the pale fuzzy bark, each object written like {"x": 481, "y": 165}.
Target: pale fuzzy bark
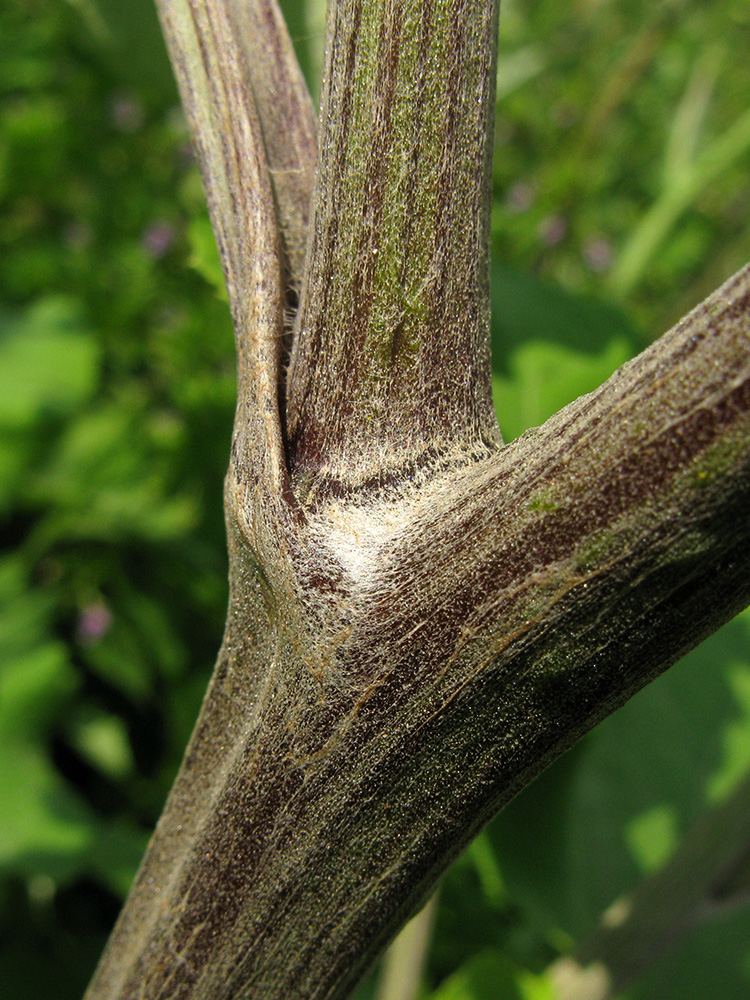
{"x": 411, "y": 637}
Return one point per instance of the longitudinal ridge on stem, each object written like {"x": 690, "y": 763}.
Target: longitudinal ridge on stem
{"x": 287, "y": 120}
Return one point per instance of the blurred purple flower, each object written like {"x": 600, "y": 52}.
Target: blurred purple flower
{"x": 520, "y": 197}
{"x": 598, "y": 254}
{"x": 552, "y": 230}
{"x": 93, "y": 624}
{"x": 158, "y": 238}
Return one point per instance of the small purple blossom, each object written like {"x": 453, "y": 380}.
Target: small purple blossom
{"x": 598, "y": 254}
{"x": 552, "y": 230}
{"x": 158, "y": 238}
{"x": 520, "y": 197}
{"x": 93, "y": 624}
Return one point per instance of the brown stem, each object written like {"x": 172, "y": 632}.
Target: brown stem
{"x": 425, "y": 649}
{"x": 391, "y": 356}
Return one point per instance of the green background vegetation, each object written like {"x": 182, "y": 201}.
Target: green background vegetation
{"x": 621, "y": 199}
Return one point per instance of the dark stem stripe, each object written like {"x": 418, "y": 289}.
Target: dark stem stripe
{"x": 448, "y": 195}
{"x": 337, "y": 103}
{"x": 413, "y": 180}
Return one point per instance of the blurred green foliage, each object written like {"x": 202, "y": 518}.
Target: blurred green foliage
{"x": 116, "y": 403}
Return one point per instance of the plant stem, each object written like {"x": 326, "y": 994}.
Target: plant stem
{"x": 391, "y": 353}
{"x": 419, "y": 652}
{"x": 419, "y": 619}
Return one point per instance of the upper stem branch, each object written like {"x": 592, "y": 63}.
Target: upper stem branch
{"x": 287, "y": 121}
{"x": 391, "y": 358}
{"x": 205, "y": 50}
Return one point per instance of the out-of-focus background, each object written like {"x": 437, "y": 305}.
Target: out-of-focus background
{"x": 622, "y": 198}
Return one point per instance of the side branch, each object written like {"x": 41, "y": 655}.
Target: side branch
{"x": 210, "y": 65}
{"x": 287, "y": 120}
{"x": 624, "y": 474}
{"x": 391, "y": 354}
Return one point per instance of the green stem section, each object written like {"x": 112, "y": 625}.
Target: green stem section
{"x": 391, "y": 359}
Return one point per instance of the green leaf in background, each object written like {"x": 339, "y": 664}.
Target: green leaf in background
{"x": 544, "y": 377}
{"x": 713, "y": 963}
{"x": 109, "y": 476}
{"x": 549, "y": 347}
{"x": 128, "y": 37}
{"x": 615, "y": 807}
{"x": 49, "y": 366}
{"x": 487, "y": 976}
{"x": 49, "y": 831}
{"x": 103, "y": 741}
{"x": 735, "y": 733}
{"x": 490, "y": 976}
{"x": 35, "y": 674}
{"x": 49, "y": 363}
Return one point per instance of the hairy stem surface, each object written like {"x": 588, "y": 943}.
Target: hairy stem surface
{"x": 391, "y": 355}
{"x": 426, "y": 648}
